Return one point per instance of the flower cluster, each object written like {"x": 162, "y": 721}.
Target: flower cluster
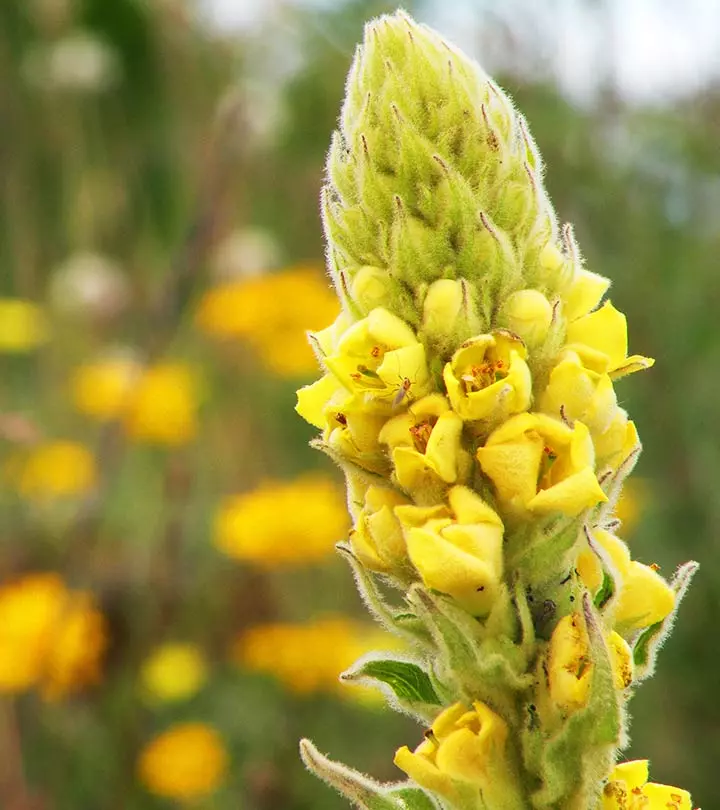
{"x": 307, "y": 658}
{"x": 186, "y": 762}
{"x": 270, "y": 312}
{"x": 469, "y": 395}
{"x": 51, "y": 638}
{"x": 157, "y": 404}
{"x": 282, "y": 523}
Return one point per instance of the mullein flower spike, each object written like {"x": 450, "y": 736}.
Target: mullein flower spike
{"x": 468, "y": 395}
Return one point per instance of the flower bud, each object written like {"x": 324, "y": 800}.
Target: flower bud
{"x": 448, "y": 312}
{"x": 377, "y": 538}
{"x": 528, "y": 314}
{"x": 370, "y": 288}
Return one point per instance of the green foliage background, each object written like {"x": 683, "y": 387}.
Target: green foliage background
{"x": 642, "y": 187}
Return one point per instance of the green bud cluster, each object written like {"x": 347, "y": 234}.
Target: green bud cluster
{"x": 433, "y": 175}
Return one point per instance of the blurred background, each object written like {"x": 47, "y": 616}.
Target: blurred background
{"x": 172, "y": 614}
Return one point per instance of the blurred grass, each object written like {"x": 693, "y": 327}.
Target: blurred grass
{"x": 152, "y": 166}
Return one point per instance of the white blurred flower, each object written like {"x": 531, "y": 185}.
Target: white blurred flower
{"x": 89, "y": 284}
{"x": 244, "y": 253}
{"x": 79, "y": 61}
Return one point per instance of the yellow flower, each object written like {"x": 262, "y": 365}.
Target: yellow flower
{"x": 185, "y": 762}
{"x": 57, "y": 469}
{"x": 162, "y": 408}
{"x": 101, "y": 389}
{"x": 600, "y": 339}
{"x": 628, "y": 789}
{"x": 645, "y": 598}
{"x": 283, "y": 523}
{"x": 174, "y": 672}
{"x": 541, "y": 465}
{"x": 570, "y": 668}
{"x": 577, "y": 393}
{"x": 381, "y": 359}
{"x": 22, "y": 326}
{"x": 488, "y": 377}
{"x": 272, "y": 312}
{"x": 528, "y": 314}
{"x": 464, "y": 751}
{"x": 457, "y": 550}
{"x": 28, "y": 611}
{"x": 377, "y": 538}
{"x": 75, "y": 649}
{"x": 349, "y": 427}
{"x": 585, "y": 294}
{"x": 50, "y": 637}
{"x": 425, "y": 445}
{"x": 309, "y": 658}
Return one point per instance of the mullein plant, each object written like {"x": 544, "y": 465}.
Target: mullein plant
{"x": 468, "y": 395}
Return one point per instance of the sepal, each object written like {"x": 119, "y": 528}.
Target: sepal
{"x": 363, "y": 792}
{"x": 402, "y": 623}
{"x": 473, "y": 662}
{"x": 648, "y": 643}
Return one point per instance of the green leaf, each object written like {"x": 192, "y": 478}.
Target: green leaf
{"x": 409, "y": 681}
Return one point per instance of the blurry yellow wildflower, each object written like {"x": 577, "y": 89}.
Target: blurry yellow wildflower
{"x": 50, "y": 637}
{"x": 464, "y": 751}
{"x": 185, "y": 762}
{"x": 457, "y": 550}
{"x": 273, "y": 313}
{"x": 58, "y": 469}
{"x": 600, "y": 339}
{"x": 283, "y": 523}
{"x": 22, "y": 326}
{"x": 162, "y": 408}
{"x": 488, "y": 377}
{"x": 308, "y": 658}
{"x": 101, "y": 389}
{"x": 628, "y": 789}
{"x": 174, "y": 672}
{"x": 644, "y": 599}
{"x": 75, "y": 649}
{"x": 28, "y": 610}
{"x": 541, "y": 465}
{"x": 570, "y": 668}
